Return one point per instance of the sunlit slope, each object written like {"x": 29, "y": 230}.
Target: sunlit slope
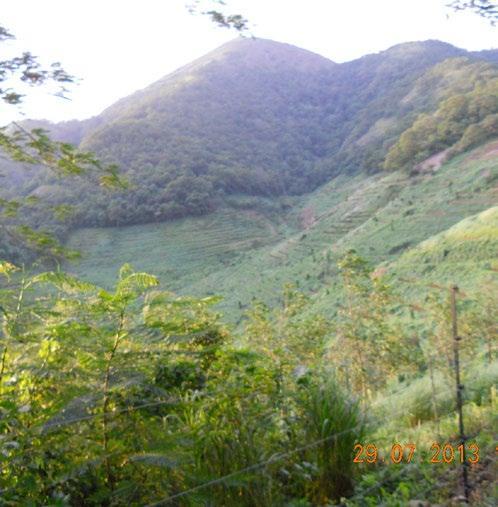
{"x": 249, "y": 254}
{"x": 465, "y": 254}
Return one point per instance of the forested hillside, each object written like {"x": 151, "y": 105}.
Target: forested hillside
{"x": 261, "y": 118}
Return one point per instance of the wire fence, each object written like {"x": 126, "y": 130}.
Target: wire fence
{"x": 55, "y": 425}
{"x": 251, "y": 468}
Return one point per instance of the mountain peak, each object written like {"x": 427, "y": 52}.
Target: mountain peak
{"x": 266, "y": 52}
{"x": 250, "y": 57}
{"x": 412, "y": 48}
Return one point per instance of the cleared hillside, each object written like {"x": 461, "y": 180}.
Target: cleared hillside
{"x": 244, "y": 255}
{"x": 182, "y": 252}
{"x": 466, "y": 254}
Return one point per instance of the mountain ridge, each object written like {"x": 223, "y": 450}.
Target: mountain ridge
{"x": 59, "y": 129}
{"x": 259, "y": 117}
{"x": 487, "y": 54}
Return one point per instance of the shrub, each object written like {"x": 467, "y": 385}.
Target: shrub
{"x": 332, "y": 419}
{"x": 182, "y": 374}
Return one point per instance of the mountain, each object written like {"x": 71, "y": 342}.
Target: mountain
{"x": 258, "y": 118}
{"x": 229, "y": 122}
{"x": 333, "y": 270}
{"x": 490, "y": 55}
{"x": 262, "y": 118}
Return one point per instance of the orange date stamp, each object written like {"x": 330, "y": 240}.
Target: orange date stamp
{"x": 405, "y": 453}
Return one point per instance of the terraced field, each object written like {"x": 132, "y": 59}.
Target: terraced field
{"x": 244, "y": 255}
{"x": 178, "y": 252}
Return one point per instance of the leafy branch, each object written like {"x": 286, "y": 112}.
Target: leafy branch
{"x": 29, "y": 70}
{"x": 224, "y": 20}
{"x": 487, "y": 9}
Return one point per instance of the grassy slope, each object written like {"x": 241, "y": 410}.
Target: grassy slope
{"x": 465, "y": 254}
{"x": 179, "y": 252}
{"x": 245, "y": 254}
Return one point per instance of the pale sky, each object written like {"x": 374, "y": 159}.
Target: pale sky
{"x": 118, "y": 46}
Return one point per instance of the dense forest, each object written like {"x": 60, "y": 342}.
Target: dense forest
{"x": 257, "y": 117}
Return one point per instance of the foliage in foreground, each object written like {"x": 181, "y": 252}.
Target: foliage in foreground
{"x": 130, "y": 395}
{"x": 133, "y": 395}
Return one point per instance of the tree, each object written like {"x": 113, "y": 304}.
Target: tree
{"x": 291, "y": 338}
{"x": 35, "y": 148}
{"x": 225, "y": 20}
{"x": 368, "y": 348}
{"x": 488, "y": 9}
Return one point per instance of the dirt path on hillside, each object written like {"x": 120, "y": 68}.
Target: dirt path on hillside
{"x": 489, "y": 150}
{"x": 433, "y": 163}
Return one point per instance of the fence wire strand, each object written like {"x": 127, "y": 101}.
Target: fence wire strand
{"x": 261, "y": 464}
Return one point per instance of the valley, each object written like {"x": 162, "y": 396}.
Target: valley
{"x": 244, "y": 255}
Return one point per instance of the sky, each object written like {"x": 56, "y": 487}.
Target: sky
{"x": 116, "y": 47}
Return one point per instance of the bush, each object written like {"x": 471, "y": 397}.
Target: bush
{"x": 479, "y": 386}
{"x": 180, "y": 375}
{"x": 335, "y": 421}
{"x": 416, "y": 401}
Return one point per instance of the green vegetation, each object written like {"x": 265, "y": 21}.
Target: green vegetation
{"x": 466, "y": 252}
{"x": 131, "y": 391}
{"x": 260, "y": 118}
{"x": 179, "y": 252}
{"x": 134, "y": 395}
{"x": 461, "y": 121}
{"x": 299, "y": 240}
